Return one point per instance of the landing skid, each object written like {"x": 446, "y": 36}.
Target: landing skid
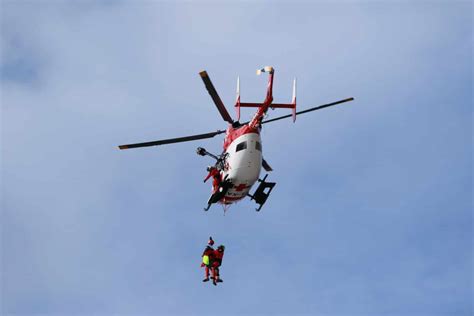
{"x": 225, "y": 185}
{"x": 260, "y": 196}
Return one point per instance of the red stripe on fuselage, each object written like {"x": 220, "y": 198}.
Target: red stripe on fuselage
{"x": 234, "y": 133}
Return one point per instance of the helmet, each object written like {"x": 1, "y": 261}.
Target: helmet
{"x": 221, "y": 247}
{"x": 210, "y": 242}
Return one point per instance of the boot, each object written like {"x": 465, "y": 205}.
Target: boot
{"x": 205, "y": 280}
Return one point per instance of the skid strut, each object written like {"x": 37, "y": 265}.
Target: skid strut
{"x": 260, "y": 196}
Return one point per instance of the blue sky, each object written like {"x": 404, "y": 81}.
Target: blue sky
{"x": 372, "y": 212}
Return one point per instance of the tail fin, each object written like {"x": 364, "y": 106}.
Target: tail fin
{"x": 237, "y": 99}
{"x": 293, "y": 100}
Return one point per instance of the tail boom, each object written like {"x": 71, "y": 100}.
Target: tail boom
{"x": 268, "y": 102}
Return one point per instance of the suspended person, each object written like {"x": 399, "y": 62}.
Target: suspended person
{"x": 208, "y": 258}
{"x": 216, "y": 263}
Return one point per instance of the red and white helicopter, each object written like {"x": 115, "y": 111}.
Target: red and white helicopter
{"x": 238, "y": 167}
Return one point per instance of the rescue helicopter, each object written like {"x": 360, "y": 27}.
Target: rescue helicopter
{"x": 239, "y": 165}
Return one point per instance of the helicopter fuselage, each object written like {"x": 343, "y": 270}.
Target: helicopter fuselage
{"x": 243, "y": 152}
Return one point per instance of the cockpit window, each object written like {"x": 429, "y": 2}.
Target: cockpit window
{"x": 242, "y": 145}
{"x": 258, "y": 146}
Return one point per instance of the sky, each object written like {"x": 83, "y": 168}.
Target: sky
{"x": 372, "y": 213}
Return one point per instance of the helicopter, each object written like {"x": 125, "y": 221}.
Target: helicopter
{"x": 238, "y": 167}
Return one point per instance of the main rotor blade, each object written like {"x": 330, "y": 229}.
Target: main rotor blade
{"x": 172, "y": 140}
{"x": 215, "y": 97}
{"x": 309, "y": 110}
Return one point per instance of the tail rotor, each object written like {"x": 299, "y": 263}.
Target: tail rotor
{"x": 268, "y": 69}
{"x": 237, "y": 99}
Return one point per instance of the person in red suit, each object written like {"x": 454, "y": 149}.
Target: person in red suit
{"x": 208, "y": 258}
{"x": 216, "y": 263}
{"x": 214, "y": 172}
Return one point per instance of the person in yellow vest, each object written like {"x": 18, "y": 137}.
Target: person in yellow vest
{"x": 208, "y": 258}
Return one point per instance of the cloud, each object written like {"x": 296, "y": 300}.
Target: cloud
{"x": 371, "y": 212}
